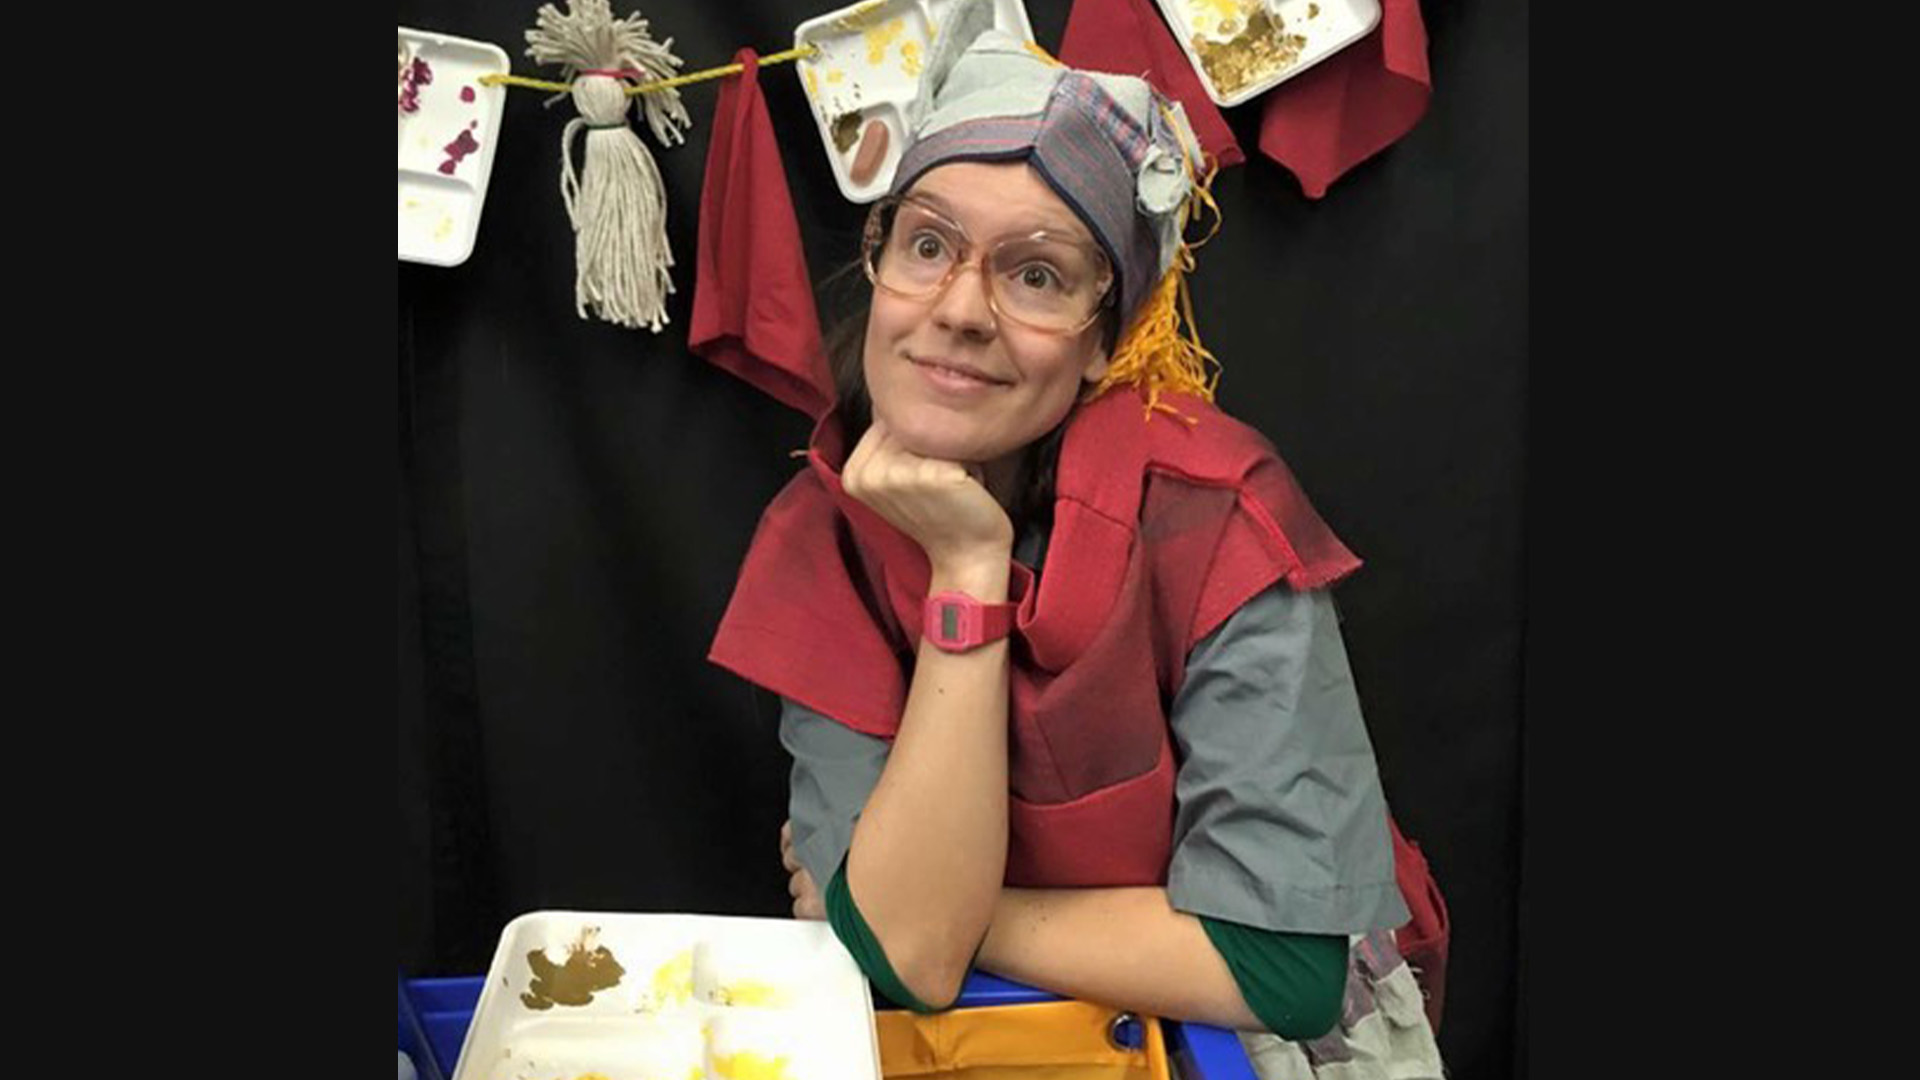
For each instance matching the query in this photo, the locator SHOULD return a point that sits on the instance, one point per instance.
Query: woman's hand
(942, 505)
(807, 901)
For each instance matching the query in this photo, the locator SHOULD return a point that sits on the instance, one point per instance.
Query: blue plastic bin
(443, 1009)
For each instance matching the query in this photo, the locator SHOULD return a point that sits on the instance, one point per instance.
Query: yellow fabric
(1055, 1040)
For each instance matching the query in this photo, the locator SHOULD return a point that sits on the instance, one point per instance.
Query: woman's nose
(964, 306)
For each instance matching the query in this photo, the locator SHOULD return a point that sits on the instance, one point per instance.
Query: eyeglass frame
(874, 235)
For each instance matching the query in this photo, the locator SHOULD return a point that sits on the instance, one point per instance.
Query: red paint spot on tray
(458, 149)
(466, 93)
(419, 75)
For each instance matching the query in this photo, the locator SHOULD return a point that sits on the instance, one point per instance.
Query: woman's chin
(942, 442)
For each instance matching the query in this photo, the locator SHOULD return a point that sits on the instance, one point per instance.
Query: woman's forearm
(1124, 947)
(929, 851)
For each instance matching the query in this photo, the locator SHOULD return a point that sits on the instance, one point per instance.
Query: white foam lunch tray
(633, 996)
(447, 142)
(1301, 33)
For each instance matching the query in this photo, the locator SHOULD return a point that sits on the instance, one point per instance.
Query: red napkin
(1353, 104)
(753, 307)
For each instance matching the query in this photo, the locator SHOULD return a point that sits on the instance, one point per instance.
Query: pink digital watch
(957, 622)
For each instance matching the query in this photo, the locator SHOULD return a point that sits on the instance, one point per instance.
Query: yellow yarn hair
(1153, 355)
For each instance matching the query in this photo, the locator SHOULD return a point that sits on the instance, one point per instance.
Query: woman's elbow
(933, 978)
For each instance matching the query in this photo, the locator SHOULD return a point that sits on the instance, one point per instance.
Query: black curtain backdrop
(575, 499)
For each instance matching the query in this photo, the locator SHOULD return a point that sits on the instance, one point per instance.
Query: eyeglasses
(1045, 281)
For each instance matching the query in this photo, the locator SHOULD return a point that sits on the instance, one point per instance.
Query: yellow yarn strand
(1043, 54)
(656, 84)
(1154, 356)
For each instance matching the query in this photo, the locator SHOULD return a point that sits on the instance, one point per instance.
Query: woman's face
(948, 378)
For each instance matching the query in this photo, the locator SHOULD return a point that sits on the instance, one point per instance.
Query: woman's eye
(929, 247)
(1038, 277)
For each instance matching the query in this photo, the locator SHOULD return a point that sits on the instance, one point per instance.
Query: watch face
(949, 622)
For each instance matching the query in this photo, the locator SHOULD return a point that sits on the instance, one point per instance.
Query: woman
(1063, 686)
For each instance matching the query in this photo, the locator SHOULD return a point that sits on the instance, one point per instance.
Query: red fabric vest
(1162, 529)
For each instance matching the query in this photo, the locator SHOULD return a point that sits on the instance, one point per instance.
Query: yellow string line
(658, 84)
(1198, 196)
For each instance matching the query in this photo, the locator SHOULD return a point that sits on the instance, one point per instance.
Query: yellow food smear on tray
(750, 992)
(674, 980)
(882, 36)
(747, 1065)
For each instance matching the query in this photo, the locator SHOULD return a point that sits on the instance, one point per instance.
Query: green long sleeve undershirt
(1294, 983)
